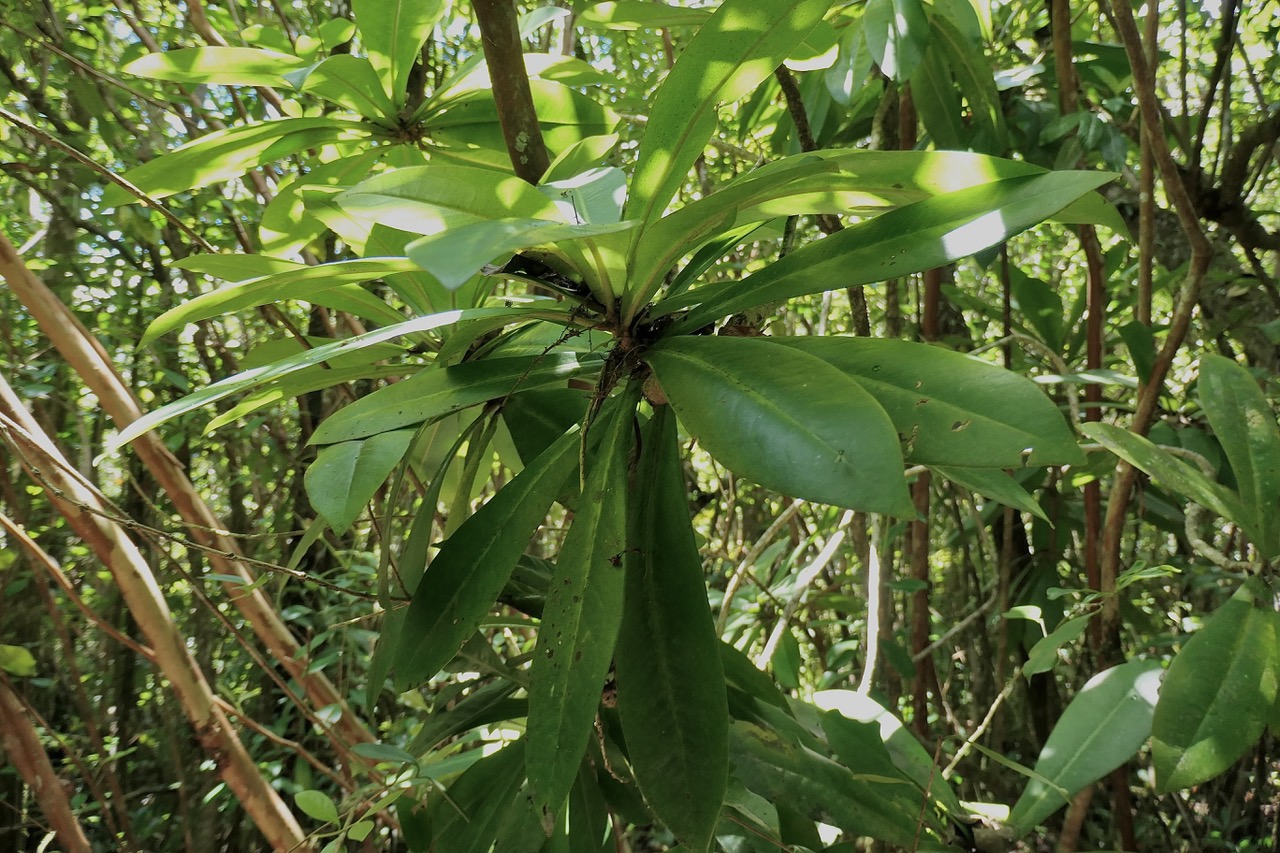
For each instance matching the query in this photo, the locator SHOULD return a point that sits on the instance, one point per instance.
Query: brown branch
(503, 53)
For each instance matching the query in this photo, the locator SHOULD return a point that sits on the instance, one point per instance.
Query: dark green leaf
(995, 484)
(345, 476)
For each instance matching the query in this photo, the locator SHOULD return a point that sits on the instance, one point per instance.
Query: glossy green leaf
(262, 375)
(781, 770)
(739, 46)
(926, 234)
(1103, 727)
(897, 33)
(1219, 692)
(1170, 472)
(227, 66)
(441, 391)
(1245, 424)
(993, 483)
(580, 617)
(393, 33)
(461, 584)
(343, 478)
(948, 408)
(351, 82)
(297, 283)
(429, 199)
(671, 686)
(228, 154)
(785, 419)
(455, 255)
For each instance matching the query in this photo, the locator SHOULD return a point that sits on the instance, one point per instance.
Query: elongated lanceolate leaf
(948, 408)
(344, 476)
(739, 46)
(227, 154)
(580, 617)
(922, 235)
(393, 33)
(461, 584)
(286, 366)
(1219, 692)
(785, 419)
(228, 66)
(897, 33)
(442, 391)
(1105, 724)
(993, 483)
(350, 82)
(1245, 424)
(671, 685)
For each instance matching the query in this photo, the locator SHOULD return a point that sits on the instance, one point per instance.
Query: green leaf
(1043, 656)
(1245, 424)
(300, 282)
(466, 576)
(937, 100)
(629, 15)
(18, 661)
(226, 66)
(1219, 692)
(897, 34)
(948, 408)
(393, 33)
(287, 366)
(455, 255)
(785, 419)
(738, 47)
(351, 82)
(1171, 473)
(317, 804)
(580, 617)
(345, 476)
(671, 685)
(995, 484)
(781, 770)
(974, 77)
(227, 154)
(926, 234)
(441, 391)
(1103, 727)
(477, 805)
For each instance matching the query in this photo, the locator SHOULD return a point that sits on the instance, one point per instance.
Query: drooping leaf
(393, 33)
(739, 46)
(926, 234)
(227, 154)
(948, 408)
(671, 686)
(227, 66)
(1219, 692)
(993, 483)
(937, 99)
(441, 391)
(478, 803)
(461, 584)
(345, 476)
(785, 419)
(1245, 424)
(897, 33)
(580, 617)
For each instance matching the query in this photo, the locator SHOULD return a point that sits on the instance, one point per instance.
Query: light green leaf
(442, 391)
(455, 255)
(926, 234)
(785, 419)
(393, 33)
(629, 15)
(351, 82)
(1105, 724)
(461, 584)
(300, 282)
(671, 685)
(897, 33)
(228, 154)
(305, 381)
(1245, 424)
(995, 484)
(286, 225)
(948, 408)
(1171, 473)
(17, 661)
(227, 66)
(1219, 692)
(1043, 656)
(580, 617)
(317, 804)
(738, 47)
(345, 476)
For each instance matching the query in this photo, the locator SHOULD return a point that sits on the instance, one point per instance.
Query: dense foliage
(772, 424)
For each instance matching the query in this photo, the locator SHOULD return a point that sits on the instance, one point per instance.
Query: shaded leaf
(344, 477)
(897, 33)
(995, 484)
